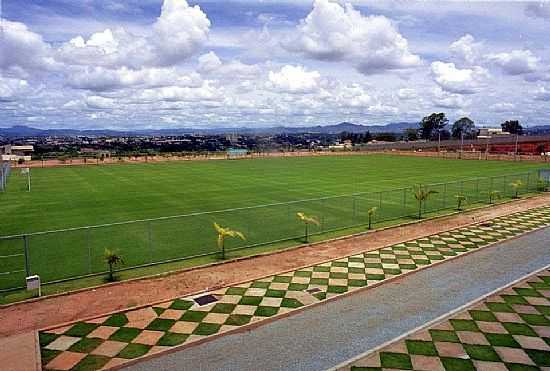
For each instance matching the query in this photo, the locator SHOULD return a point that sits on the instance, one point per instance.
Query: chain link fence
(79, 252)
(5, 169)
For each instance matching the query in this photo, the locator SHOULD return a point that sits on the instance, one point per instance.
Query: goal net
(5, 169)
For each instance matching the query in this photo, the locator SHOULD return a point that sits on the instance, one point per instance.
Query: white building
(15, 153)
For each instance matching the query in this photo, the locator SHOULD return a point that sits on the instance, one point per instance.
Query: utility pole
(516, 150)
(438, 139)
(461, 142)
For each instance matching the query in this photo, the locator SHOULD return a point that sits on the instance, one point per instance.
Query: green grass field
(67, 197)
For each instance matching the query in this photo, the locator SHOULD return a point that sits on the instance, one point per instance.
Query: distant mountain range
(25, 131)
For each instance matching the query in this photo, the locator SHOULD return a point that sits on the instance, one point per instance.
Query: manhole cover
(205, 299)
(486, 224)
(313, 290)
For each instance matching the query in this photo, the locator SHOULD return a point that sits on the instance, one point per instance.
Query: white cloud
(406, 93)
(101, 103)
(206, 92)
(209, 62)
(466, 49)
(455, 80)
(516, 62)
(502, 107)
(332, 32)
(179, 32)
(447, 100)
(538, 10)
(23, 51)
(12, 89)
(294, 79)
(542, 94)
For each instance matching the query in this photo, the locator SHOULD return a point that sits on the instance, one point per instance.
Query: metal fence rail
(5, 169)
(78, 252)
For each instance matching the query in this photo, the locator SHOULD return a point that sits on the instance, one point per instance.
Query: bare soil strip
(50, 311)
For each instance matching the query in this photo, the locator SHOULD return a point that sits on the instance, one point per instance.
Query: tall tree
(463, 126)
(432, 124)
(512, 126)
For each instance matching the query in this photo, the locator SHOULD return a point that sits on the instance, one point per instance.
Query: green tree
(307, 220)
(422, 194)
(460, 199)
(512, 126)
(493, 195)
(432, 124)
(113, 260)
(516, 186)
(410, 134)
(370, 214)
(463, 126)
(223, 233)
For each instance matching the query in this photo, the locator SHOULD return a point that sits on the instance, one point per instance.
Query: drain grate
(205, 299)
(313, 290)
(486, 224)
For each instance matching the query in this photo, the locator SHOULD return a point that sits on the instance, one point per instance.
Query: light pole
(438, 140)
(516, 150)
(461, 142)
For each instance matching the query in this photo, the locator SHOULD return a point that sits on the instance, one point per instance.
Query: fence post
(150, 238)
(89, 250)
(323, 215)
(354, 215)
(528, 181)
(444, 196)
(404, 202)
(27, 256)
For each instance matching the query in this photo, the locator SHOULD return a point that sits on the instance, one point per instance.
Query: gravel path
(324, 336)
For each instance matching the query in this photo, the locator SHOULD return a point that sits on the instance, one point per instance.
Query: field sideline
(89, 195)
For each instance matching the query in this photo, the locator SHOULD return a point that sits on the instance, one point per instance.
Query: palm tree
(516, 186)
(226, 232)
(112, 259)
(370, 214)
(493, 195)
(422, 194)
(307, 220)
(460, 198)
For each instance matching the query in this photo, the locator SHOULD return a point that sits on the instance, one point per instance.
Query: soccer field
(67, 197)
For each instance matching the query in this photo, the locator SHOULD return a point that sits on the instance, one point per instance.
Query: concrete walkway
(324, 336)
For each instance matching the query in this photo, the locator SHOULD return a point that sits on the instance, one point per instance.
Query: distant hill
(25, 131)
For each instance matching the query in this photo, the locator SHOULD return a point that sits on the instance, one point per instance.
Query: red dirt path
(49, 311)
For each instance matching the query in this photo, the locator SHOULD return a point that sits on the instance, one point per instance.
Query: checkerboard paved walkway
(115, 339)
(506, 331)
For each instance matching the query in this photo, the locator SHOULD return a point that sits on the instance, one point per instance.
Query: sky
(141, 64)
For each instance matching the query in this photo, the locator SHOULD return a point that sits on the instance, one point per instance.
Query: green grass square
(321, 269)
(421, 261)
(158, 310)
(544, 309)
(464, 325)
(319, 281)
(502, 340)
(521, 367)
(373, 265)
(340, 264)
(179, 304)
(399, 361)
(457, 364)
(358, 368)
(91, 362)
(524, 291)
(357, 283)
(445, 336)
(297, 287)
(535, 319)
(206, 329)
(237, 319)
(408, 266)
(46, 355)
(436, 257)
(337, 289)
(275, 293)
(353, 259)
(481, 352)
(125, 334)
(81, 329)
(420, 347)
(500, 307)
(116, 320)
(250, 300)
(519, 329)
(171, 339)
(514, 299)
(389, 261)
(302, 274)
(235, 291)
(193, 316)
(483, 315)
(134, 351)
(338, 275)
(260, 285)
(356, 270)
(392, 271)
(320, 295)
(263, 311)
(291, 303)
(540, 285)
(540, 357)
(282, 279)
(223, 308)
(375, 277)
(161, 324)
(45, 338)
(85, 345)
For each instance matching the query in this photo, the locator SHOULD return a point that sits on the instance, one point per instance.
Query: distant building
(491, 132)
(15, 153)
